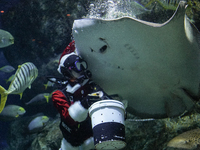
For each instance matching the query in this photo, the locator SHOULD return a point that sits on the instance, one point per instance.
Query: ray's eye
(103, 49)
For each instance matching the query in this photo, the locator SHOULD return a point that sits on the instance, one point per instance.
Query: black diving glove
(87, 101)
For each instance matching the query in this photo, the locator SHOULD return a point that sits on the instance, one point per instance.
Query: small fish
(10, 78)
(11, 112)
(187, 140)
(7, 69)
(6, 38)
(24, 77)
(37, 123)
(49, 84)
(39, 99)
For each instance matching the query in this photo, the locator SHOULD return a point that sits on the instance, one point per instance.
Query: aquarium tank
(144, 54)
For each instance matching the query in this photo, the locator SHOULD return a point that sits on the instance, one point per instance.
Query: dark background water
(4, 126)
(5, 5)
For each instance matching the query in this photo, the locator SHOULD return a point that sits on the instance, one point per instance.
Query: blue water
(5, 5)
(4, 126)
(3, 144)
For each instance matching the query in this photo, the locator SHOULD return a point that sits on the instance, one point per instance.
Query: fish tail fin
(45, 85)
(6, 81)
(149, 3)
(3, 98)
(47, 98)
(20, 94)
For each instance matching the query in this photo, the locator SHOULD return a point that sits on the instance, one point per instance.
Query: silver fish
(10, 78)
(11, 112)
(37, 123)
(7, 68)
(6, 39)
(24, 77)
(49, 84)
(39, 99)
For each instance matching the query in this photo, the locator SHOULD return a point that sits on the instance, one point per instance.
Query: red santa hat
(69, 50)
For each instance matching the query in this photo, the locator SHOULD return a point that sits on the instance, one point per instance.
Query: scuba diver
(72, 100)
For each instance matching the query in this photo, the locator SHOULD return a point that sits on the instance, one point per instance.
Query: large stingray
(156, 67)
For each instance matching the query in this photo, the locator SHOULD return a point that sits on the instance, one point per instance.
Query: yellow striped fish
(23, 78)
(166, 4)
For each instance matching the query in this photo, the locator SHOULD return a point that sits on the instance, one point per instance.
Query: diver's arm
(78, 112)
(63, 106)
(75, 111)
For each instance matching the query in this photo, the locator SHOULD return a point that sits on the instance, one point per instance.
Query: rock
(140, 133)
(49, 139)
(155, 134)
(18, 137)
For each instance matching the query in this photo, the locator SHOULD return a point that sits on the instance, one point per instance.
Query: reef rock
(141, 134)
(18, 138)
(47, 139)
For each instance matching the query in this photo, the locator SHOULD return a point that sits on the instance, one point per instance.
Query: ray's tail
(3, 98)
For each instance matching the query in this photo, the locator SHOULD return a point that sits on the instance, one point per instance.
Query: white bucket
(108, 124)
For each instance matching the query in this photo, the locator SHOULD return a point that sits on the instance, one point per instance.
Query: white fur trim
(67, 146)
(77, 112)
(62, 60)
(73, 89)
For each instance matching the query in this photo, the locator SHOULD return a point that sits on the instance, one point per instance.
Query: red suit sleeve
(62, 105)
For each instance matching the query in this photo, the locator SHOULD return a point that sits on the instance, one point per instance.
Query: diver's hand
(87, 101)
(102, 95)
(98, 94)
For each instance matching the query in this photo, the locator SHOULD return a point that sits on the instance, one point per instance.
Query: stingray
(156, 67)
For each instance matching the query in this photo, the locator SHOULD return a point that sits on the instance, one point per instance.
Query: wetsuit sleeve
(62, 105)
